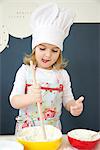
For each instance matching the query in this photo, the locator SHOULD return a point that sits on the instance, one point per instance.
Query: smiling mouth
(45, 61)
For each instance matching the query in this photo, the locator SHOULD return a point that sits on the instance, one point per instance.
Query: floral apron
(51, 106)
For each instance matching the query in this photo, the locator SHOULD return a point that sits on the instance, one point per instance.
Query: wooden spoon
(38, 104)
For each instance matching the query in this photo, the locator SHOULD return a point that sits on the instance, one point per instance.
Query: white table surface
(65, 144)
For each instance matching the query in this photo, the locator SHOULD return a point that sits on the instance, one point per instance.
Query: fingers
(80, 100)
(76, 110)
(79, 104)
(77, 107)
(76, 113)
(36, 94)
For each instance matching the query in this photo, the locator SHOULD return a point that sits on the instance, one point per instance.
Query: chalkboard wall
(82, 49)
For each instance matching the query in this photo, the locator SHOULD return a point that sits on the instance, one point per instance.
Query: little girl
(50, 26)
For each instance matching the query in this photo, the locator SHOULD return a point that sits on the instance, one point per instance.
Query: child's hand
(77, 107)
(34, 90)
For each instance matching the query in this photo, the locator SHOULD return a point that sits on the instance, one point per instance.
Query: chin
(46, 67)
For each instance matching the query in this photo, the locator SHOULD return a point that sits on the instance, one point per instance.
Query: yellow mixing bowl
(30, 137)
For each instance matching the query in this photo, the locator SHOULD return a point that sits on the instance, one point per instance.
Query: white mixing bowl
(10, 145)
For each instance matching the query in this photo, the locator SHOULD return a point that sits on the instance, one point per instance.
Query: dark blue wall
(82, 49)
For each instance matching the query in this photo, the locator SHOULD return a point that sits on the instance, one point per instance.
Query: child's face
(46, 55)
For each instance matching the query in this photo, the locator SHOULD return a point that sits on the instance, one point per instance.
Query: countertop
(65, 144)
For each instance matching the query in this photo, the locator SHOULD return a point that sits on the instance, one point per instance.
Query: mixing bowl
(10, 145)
(32, 138)
(82, 139)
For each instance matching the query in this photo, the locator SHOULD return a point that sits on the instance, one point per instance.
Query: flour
(35, 134)
(82, 134)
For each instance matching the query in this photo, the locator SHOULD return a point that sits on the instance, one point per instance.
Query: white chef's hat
(51, 25)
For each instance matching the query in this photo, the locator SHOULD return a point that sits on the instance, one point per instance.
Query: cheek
(37, 55)
(56, 57)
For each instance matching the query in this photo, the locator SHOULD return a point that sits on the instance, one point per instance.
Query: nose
(48, 53)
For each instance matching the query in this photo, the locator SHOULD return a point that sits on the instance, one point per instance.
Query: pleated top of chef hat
(51, 24)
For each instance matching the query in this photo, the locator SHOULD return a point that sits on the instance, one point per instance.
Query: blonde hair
(59, 64)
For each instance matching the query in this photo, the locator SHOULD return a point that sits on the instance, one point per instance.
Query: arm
(21, 101)
(24, 100)
(75, 107)
(18, 98)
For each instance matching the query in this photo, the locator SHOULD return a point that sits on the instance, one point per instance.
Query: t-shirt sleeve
(67, 94)
(19, 83)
